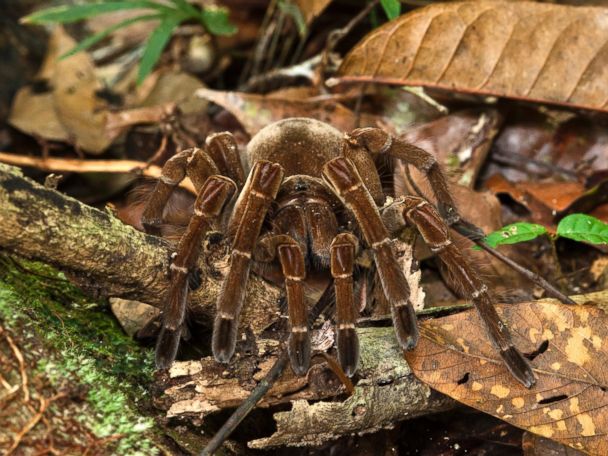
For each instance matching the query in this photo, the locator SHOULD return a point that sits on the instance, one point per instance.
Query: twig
(303, 69)
(337, 35)
(44, 403)
(264, 386)
(337, 369)
(243, 410)
(89, 166)
(22, 373)
(526, 164)
(537, 279)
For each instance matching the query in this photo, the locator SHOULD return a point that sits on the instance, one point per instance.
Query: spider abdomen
(300, 145)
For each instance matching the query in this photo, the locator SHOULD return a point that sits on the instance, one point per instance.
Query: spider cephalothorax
(325, 191)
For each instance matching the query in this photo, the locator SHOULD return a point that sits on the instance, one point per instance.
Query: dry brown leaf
(69, 110)
(312, 8)
(548, 202)
(538, 144)
(569, 347)
(526, 50)
(254, 112)
(33, 113)
(553, 196)
(460, 141)
(75, 87)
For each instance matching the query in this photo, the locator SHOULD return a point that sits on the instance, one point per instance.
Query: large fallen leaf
(569, 350)
(526, 50)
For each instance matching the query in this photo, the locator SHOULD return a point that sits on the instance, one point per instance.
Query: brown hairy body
(312, 199)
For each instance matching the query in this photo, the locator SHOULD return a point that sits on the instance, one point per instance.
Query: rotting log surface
(386, 392)
(105, 256)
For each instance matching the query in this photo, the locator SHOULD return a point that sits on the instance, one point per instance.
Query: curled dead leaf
(568, 350)
(526, 50)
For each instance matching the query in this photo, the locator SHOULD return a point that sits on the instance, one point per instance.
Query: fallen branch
(386, 392)
(106, 257)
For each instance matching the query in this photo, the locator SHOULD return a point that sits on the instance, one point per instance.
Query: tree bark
(386, 392)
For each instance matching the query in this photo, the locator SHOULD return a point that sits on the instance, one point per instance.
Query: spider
(311, 200)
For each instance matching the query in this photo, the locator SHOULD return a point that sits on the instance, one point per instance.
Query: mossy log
(106, 257)
(70, 379)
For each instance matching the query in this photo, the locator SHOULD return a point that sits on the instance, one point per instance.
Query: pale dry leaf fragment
(569, 354)
(69, 108)
(254, 112)
(75, 89)
(525, 50)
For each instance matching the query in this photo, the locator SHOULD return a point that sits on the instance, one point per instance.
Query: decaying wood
(105, 256)
(386, 392)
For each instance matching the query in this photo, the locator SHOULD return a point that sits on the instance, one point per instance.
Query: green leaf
(156, 43)
(392, 8)
(514, 233)
(582, 227)
(186, 8)
(215, 20)
(91, 40)
(73, 13)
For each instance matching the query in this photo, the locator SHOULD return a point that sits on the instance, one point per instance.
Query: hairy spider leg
(298, 344)
(209, 204)
(435, 232)
(378, 142)
(222, 148)
(259, 192)
(342, 253)
(291, 258)
(220, 157)
(342, 175)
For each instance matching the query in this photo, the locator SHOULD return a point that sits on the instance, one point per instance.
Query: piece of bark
(106, 257)
(386, 392)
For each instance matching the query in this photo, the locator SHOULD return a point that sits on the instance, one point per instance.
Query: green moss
(87, 347)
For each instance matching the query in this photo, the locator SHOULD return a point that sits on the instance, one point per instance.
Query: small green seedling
(579, 227)
(170, 14)
(392, 8)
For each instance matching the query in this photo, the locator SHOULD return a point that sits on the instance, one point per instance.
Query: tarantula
(311, 185)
